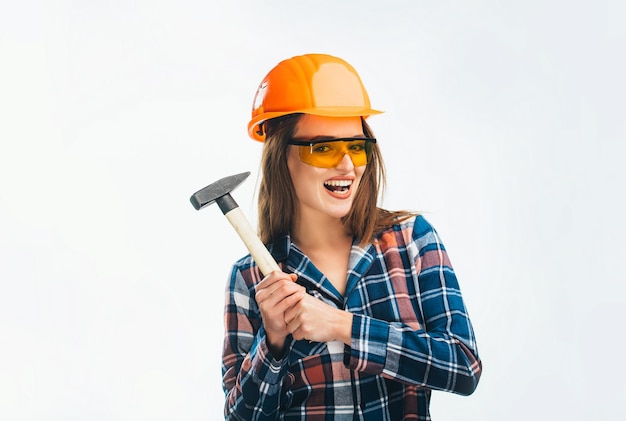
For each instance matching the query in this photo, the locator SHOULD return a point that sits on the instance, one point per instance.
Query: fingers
(275, 276)
(291, 314)
(295, 318)
(300, 328)
(276, 291)
(286, 308)
(279, 302)
(274, 295)
(314, 320)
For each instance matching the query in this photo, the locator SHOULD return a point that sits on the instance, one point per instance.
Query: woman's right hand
(275, 294)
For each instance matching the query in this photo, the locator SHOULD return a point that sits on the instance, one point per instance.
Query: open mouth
(338, 186)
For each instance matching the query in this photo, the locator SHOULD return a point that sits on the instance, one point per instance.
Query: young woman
(366, 316)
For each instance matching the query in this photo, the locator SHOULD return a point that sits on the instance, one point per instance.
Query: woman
(366, 316)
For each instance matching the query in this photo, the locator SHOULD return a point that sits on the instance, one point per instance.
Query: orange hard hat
(317, 84)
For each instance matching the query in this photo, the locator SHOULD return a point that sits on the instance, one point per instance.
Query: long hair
(277, 200)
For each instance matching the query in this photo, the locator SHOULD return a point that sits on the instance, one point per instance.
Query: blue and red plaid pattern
(410, 334)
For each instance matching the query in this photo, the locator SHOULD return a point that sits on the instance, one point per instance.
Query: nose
(346, 163)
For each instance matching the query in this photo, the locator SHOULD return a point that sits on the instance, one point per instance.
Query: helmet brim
(255, 132)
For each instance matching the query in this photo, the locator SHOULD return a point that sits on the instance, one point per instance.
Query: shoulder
(423, 229)
(413, 227)
(415, 234)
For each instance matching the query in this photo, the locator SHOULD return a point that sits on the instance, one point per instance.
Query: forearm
(393, 350)
(253, 387)
(252, 373)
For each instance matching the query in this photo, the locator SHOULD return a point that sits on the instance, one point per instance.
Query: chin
(338, 212)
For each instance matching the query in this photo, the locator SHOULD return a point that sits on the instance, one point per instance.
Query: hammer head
(215, 191)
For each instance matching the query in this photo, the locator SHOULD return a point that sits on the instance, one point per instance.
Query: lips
(339, 187)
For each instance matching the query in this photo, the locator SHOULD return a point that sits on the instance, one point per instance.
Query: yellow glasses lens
(329, 154)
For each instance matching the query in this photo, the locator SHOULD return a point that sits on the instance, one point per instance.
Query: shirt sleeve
(251, 377)
(441, 354)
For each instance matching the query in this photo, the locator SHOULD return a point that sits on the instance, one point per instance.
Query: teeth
(338, 183)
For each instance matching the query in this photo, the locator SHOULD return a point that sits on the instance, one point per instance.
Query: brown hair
(277, 199)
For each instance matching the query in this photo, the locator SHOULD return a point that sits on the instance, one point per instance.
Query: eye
(357, 147)
(321, 148)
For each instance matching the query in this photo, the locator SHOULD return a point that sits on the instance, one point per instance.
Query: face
(325, 192)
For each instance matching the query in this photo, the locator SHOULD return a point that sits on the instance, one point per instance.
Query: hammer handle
(257, 249)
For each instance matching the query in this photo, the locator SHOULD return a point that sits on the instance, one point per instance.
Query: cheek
(298, 171)
(293, 159)
(359, 171)
(294, 165)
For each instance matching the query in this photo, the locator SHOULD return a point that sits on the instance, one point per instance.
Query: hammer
(219, 192)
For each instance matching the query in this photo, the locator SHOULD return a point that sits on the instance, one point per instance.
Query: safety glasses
(329, 153)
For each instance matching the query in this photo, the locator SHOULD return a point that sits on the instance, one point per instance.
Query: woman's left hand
(316, 321)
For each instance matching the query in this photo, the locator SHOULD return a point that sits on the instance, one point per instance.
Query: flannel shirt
(410, 334)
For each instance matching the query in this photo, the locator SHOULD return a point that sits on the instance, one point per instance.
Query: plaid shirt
(410, 334)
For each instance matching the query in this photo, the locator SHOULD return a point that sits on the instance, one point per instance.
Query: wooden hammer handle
(257, 249)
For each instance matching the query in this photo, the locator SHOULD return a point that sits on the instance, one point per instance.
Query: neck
(321, 232)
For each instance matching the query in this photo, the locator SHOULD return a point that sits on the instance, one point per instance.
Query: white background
(504, 124)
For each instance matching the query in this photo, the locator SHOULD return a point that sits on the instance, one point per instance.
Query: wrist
(276, 345)
(344, 327)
